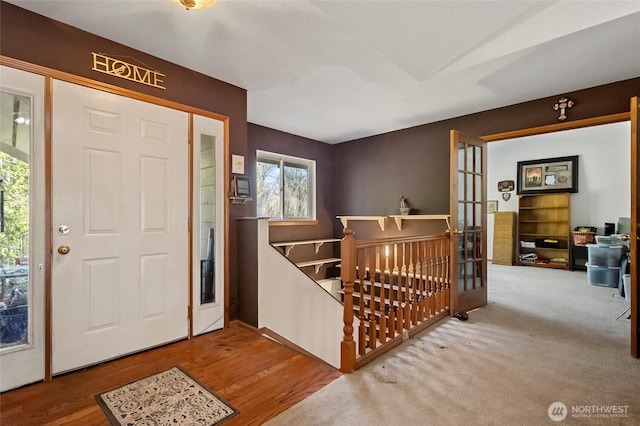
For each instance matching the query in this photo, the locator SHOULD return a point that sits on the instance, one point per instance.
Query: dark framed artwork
(548, 175)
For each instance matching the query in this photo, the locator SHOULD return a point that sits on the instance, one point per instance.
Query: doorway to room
(604, 182)
(603, 178)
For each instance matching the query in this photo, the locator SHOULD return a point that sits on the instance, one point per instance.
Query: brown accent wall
(38, 40)
(371, 173)
(248, 271)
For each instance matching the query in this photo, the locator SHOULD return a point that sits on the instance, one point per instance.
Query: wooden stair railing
(348, 276)
(395, 287)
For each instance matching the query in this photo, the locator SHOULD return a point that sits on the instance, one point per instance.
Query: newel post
(348, 276)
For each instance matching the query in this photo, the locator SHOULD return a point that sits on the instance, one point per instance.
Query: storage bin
(600, 255)
(608, 240)
(603, 275)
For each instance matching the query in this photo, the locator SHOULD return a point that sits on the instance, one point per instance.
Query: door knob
(64, 249)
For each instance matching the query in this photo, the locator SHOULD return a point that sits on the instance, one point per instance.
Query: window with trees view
(285, 187)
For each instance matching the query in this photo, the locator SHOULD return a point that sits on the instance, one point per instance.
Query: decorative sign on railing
(119, 68)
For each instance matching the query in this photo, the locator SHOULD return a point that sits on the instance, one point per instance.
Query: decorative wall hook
(563, 105)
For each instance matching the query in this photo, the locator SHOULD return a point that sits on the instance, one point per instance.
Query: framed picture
(548, 175)
(492, 206)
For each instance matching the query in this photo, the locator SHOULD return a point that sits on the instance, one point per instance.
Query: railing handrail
(372, 242)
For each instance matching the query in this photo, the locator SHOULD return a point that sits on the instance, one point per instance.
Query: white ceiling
(340, 70)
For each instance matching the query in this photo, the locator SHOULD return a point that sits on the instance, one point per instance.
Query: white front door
(120, 226)
(208, 224)
(22, 228)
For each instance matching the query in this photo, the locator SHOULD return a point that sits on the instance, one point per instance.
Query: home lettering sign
(119, 68)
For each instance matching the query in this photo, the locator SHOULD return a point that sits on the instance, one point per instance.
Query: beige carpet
(546, 336)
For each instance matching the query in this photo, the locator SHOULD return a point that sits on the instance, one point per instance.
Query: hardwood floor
(258, 376)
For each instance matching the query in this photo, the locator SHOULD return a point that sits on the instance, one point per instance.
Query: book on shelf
(528, 258)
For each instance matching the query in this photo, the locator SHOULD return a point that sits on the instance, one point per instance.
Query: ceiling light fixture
(196, 4)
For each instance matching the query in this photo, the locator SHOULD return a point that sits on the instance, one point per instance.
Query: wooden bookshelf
(543, 221)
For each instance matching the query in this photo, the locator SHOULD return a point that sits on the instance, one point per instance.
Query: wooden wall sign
(118, 68)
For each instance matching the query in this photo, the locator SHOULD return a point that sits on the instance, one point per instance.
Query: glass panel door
(22, 228)
(468, 213)
(15, 286)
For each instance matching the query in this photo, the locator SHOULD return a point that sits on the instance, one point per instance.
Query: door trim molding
(635, 231)
(558, 127)
(48, 237)
(190, 226)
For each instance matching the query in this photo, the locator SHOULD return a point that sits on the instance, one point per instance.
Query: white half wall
(604, 172)
(293, 305)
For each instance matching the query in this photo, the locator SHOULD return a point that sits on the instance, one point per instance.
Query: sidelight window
(15, 115)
